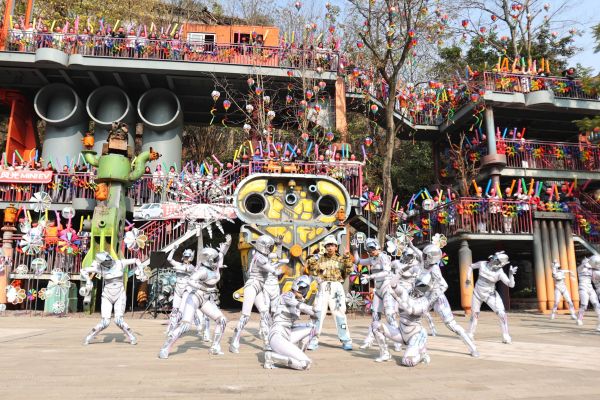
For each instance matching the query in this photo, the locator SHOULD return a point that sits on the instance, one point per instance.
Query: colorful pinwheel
(370, 201)
(42, 294)
(32, 294)
(32, 242)
(40, 202)
(135, 239)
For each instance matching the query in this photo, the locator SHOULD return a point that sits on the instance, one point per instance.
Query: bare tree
(467, 168)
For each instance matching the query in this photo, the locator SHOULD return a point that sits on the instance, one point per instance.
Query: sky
(583, 13)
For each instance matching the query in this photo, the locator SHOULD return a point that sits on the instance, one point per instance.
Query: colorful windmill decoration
(38, 266)
(15, 294)
(135, 239)
(370, 201)
(59, 284)
(32, 294)
(354, 300)
(40, 202)
(356, 273)
(405, 233)
(32, 242)
(68, 240)
(444, 260)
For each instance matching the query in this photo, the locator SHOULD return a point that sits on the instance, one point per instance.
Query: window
(202, 41)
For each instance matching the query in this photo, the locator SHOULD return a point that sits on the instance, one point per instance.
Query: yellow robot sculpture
(297, 210)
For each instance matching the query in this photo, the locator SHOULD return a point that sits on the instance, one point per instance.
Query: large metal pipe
(160, 111)
(62, 109)
(548, 264)
(465, 259)
(106, 105)
(564, 261)
(538, 264)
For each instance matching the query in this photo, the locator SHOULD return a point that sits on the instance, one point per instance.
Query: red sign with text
(25, 176)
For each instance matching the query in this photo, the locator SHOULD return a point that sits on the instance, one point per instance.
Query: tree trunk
(386, 173)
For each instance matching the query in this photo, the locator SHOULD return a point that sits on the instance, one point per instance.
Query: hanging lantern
(258, 90)
(298, 5)
(322, 84)
(319, 70)
(303, 103)
(494, 18)
(411, 33)
(288, 99)
(249, 108)
(329, 136)
(368, 141)
(290, 73)
(309, 94)
(482, 29)
(331, 29)
(267, 99)
(359, 44)
(317, 108)
(374, 108)
(250, 81)
(355, 72)
(271, 115)
(215, 95)
(316, 88)
(305, 136)
(226, 104)
(475, 97)
(465, 23)
(247, 128)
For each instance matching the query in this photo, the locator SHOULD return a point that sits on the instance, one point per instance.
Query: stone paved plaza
(43, 358)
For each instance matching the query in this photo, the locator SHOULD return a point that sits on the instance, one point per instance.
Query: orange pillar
(547, 250)
(6, 22)
(28, 12)
(465, 259)
(564, 261)
(538, 263)
(341, 125)
(20, 131)
(572, 262)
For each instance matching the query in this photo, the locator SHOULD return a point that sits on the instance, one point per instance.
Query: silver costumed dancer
(114, 297)
(254, 289)
(560, 289)
(285, 335)
(199, 294)
(413, 304)
(490, 272)
(587, 295)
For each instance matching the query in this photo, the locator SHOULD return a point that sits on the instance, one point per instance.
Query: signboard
(25, 176)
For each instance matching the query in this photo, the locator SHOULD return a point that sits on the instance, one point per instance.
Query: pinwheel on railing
(370, 201)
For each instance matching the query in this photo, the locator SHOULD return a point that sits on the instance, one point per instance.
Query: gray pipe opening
(106, 105)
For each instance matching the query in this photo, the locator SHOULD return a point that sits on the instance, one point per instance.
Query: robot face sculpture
(208, 257)
(432, 254)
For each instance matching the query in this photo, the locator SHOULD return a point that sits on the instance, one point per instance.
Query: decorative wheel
(135, 239)
(40, 202)
(201, 190)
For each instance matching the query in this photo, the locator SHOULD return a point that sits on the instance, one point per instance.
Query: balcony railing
(349, 173)
(175, 50)
(474, 215)
(549, 155)
(586, 224)
(521, 83)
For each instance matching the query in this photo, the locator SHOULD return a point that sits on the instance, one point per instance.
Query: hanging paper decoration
(271, 115)
(309, 94)
(250, 81)
(368, 141)
(298, 5)
(322, 84)
(249, 108)
(215, 95)
(247, 128)
(288, 99)
(374, 108)
(329, 136)
(266, 99)
(465, 23)
(226, 104)
(258, 90)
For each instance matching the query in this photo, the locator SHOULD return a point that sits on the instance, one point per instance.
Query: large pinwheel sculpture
(40, 202)
(135, 239)
(370, 201)
(354, 300)
(32, 242)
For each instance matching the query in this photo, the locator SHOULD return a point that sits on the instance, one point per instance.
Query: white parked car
(149, 211)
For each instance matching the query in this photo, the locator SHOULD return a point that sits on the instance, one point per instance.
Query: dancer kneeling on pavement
(113, 291)
(285, 335)
(413, 305)
(381, 273)
(331, 269)
(198, 294)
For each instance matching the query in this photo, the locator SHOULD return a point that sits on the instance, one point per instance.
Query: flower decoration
(559, 153)
(58, 307)
(42, 294)
(15, 294)
(32, 294)
(135, 239)
(510, 151)
(439, 240)
(22, 270)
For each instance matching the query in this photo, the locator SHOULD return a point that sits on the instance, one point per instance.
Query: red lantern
(465, 23)
(368, 141)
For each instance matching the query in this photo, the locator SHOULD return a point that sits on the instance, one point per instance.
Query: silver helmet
(594, 261)
(104, 258)
(188, 253)
(372, 244)
(432, 254)
(423, 284)
(208, 257)
(301, 285)
(264, 244)
(499, 260)
(408, 256)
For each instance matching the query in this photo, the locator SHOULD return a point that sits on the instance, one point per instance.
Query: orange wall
(225, 33)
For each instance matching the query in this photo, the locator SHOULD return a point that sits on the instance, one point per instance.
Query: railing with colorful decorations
(522, 83)
(473, 215)
(549, 155)
(589, 203)
(160, 234)
(586, 224)
(175, 50)
(52, 254)
(349, 173)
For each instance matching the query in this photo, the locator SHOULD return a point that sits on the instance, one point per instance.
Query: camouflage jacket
(334, 268)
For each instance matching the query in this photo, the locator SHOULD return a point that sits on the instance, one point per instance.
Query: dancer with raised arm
(560, 289)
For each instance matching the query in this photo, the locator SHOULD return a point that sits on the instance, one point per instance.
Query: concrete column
(562, 253)
(341, 124)
(465, 259)
(8, 251)
(490, 129)
(538, 264)
(572, 263)
(547, 252)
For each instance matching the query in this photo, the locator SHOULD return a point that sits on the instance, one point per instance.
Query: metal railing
(522, 83)
(175, 50)
(586, 224)
(160, 234)
(474, 215)
(348, 173)
(549, 155)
